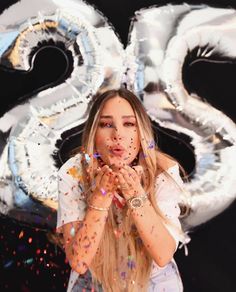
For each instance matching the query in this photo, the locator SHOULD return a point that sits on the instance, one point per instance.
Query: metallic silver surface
(28, 169)
(160, 39)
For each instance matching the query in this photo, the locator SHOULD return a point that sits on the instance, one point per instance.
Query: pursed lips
(117, 150)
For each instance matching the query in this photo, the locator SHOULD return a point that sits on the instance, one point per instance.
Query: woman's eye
(129, 124)
(105, 125)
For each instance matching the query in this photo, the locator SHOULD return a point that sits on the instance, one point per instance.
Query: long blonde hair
(109, 266)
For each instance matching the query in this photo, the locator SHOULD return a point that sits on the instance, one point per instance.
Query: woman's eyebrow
(110, 117)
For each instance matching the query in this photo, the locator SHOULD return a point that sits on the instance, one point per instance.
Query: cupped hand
(129, 181)
(105, 185)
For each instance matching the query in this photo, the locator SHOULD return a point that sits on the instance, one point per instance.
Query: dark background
(31, 262)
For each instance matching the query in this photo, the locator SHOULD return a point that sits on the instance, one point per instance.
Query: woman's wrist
(100, 201)
(129, 196)
(97, 208)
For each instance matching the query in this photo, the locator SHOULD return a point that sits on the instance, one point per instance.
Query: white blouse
(72, 205)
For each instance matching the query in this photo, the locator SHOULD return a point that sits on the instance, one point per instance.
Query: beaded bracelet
(97, 208)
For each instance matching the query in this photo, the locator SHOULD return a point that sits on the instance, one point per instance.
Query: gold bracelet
(97, 208)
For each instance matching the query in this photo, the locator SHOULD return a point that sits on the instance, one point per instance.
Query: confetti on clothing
(72, 207)
(75, 173)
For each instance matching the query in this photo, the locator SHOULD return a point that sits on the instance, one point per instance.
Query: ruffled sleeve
(71, 204)
(168, 196)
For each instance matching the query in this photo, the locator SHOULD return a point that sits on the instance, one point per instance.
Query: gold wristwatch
(137, 202)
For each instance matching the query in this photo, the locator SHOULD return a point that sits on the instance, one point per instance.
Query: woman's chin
(116, 161)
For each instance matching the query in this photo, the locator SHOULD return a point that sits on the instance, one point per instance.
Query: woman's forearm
(156, 238)
(83, 246)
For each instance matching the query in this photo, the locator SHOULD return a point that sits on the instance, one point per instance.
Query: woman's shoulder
(166, 163)
(169, 170)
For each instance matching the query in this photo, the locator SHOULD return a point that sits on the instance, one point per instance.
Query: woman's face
(117, 140)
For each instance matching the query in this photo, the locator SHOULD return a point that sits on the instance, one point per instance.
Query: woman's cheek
(101, 144)
(99, 138)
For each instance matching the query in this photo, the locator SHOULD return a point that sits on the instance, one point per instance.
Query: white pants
(167, 280)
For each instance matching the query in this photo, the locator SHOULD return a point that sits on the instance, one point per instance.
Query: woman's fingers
(105, 180)
(139, 170)
(129, 174)
(129, 181)
(121, 180)
(100, 173)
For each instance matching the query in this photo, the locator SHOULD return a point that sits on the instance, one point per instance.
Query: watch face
(136, 202)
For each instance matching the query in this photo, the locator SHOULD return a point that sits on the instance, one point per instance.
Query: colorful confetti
(87, 157)
(123, 275)
(142, 155)
(151, 144)
(72, 231)
(131, 263)
(103, 192)
(8, 264)
(117, 233)
(74, 172)
(96, 155)
(29, 261)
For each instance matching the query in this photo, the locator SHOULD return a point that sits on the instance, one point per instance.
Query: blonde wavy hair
(109, 266)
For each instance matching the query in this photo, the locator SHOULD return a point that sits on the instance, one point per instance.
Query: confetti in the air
(87, 157)
(72, 231)
(96, 155)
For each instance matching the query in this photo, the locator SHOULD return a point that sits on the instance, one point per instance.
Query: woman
(118, 203)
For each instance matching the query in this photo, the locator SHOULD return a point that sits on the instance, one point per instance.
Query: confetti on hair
(142, 155)
(87, 158)
(131, 263)
(139, 241)
(151, 144)
(123, 275)
(117, 233)
(93, 184)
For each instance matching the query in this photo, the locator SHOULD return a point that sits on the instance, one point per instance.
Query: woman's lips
(117, 152)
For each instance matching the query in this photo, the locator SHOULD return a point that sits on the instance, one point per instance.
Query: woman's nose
(117, 134)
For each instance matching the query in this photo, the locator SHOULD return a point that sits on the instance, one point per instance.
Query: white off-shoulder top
(72, 205)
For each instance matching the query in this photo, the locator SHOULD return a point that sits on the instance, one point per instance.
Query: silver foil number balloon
(27, 166)
(160, 38)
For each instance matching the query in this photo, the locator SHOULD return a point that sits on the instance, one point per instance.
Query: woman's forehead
(117, 105)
